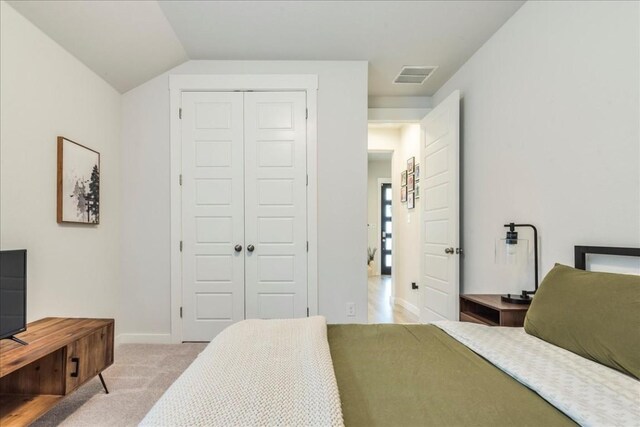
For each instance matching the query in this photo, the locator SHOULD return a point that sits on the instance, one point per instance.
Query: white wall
(551, 134)
(401, 102)
(406, 225)
(377, 169)
(342, 205)
(72, 270)
(406, 109)
(383, 139)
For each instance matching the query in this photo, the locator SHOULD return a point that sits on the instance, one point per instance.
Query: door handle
(250, 248)
(76, 360)
(238, 248)
(448, 251)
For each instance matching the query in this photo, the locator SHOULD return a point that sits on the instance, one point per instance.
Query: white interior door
(212, 213)
(275, 204)
(439, 240)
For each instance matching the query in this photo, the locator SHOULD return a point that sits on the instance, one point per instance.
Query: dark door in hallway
(385, 229)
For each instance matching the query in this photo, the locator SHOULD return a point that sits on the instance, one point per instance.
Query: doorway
(425, 177)
(385, 215)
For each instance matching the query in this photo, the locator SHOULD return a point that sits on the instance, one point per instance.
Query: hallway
(380, 310)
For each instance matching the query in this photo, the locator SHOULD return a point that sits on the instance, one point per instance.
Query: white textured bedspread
(589, 393)
(257, 373)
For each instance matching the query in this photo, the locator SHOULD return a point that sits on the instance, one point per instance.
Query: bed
(304, 372)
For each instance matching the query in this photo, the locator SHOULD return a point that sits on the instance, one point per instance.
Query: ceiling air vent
(414, 74)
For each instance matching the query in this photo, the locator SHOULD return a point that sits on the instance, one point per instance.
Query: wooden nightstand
(490, 310)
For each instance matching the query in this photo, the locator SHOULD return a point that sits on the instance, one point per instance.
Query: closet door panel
(275, 204)
(212, 213)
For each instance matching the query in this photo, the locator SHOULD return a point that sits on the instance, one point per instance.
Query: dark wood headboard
(580, 258)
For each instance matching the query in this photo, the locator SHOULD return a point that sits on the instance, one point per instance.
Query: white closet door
(275, 204)
(212, 213)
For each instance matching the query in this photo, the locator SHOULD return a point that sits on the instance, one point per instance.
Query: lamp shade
(511, 251)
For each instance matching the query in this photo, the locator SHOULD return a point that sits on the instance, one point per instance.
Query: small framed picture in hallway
(403, 178)
(411, 164)
(411, 200)
(403, 194)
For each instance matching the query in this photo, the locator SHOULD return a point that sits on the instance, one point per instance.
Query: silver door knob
(448, 251)
(238, 248)
(250, 248)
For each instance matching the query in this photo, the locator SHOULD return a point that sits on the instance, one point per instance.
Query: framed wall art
(411, 182)
(403, 194)
(417, 190)
(417, 172)
(411, 200)
(78, 183)
(410, 165)
(403, 178)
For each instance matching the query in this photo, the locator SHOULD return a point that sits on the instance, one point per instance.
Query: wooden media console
(62, 354)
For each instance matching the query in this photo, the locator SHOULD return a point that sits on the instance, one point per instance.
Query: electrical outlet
(351, 309)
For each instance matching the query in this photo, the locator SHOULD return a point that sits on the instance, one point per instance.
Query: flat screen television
(13, 293)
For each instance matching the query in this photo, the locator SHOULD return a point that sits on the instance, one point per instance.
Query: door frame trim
(229, 83)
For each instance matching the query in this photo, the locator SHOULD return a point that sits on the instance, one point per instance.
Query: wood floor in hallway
(380, 309)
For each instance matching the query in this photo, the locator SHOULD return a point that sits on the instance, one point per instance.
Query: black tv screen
(13, 292)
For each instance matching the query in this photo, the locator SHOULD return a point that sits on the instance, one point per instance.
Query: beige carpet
(136, 380)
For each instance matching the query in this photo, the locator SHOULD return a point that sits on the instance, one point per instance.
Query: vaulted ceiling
(130, 42)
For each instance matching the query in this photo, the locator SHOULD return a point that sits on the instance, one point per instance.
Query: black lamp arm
(511, 227)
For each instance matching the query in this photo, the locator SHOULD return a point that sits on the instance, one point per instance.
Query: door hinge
(307, 311)
(181, 312)
(306, 113)
(307, 246)
(180, 245)
(307, 180)
(180, 113)
(180, 179)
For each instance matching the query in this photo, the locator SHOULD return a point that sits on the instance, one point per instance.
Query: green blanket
(417, 375)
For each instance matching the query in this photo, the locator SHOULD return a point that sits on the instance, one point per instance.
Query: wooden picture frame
(411, 182)
(78, 183)
(411, 200)
(417, 190)
(403, 178)
(416, 172)
(411, 165)
(403, 194)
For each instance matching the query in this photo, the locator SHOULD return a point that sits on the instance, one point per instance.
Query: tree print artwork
(78, 183)
(94, 194)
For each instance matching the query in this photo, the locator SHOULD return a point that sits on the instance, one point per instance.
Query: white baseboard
(407, 305)
(143, 339)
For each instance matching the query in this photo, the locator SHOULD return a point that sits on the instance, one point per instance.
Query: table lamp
(512, 250)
